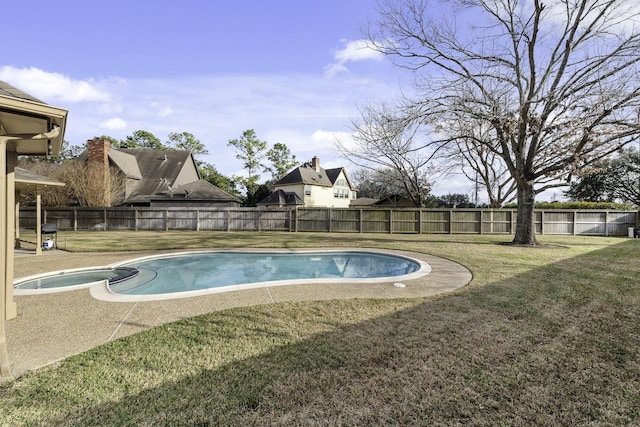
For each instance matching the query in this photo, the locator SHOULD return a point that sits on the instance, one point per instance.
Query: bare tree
(469, 154)
(54, 196)
(557, 84)
(626, 174)
(383, 183)
(386, 142)
(83, 185)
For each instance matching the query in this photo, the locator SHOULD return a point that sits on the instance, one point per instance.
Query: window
(307, 190)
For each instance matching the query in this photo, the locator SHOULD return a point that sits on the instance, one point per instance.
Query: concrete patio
(51, 327)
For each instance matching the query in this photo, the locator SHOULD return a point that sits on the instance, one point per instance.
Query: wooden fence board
(426, 221)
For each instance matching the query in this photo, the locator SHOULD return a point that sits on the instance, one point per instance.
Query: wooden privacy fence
(333, 220)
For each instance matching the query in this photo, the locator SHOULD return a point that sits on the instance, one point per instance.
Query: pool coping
(54, 326)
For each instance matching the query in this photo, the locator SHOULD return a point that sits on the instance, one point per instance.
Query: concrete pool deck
(54, 326)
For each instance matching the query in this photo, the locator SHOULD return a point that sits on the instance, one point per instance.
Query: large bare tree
(467, 152)
(387, 142)
(556, 81)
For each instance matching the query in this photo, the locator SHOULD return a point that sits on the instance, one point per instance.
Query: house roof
(26, 179)
(200, 190)
(364, 201)
(158, 169)
(154, 170)
(30, 126)
(334, 173)
(282, 198)
(154, 165)
(7, 90)
(126, 162)
(306, 174)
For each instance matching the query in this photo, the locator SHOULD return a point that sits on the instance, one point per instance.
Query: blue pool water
(188, 273)
(217, 269)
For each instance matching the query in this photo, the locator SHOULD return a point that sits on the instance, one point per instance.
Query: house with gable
(310, 185)
(156, 178)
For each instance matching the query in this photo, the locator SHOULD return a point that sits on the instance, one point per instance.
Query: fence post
(75, 219)
(197, 219)
(575, 219)
(166, 220)
(606, 223)
(450, 221)
(512, 230)
(293, 219)
(481, 221)
(390, 221)
(258, 215)
(360, 221)
(135, 219)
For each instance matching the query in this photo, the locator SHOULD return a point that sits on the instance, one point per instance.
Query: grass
(543, 336)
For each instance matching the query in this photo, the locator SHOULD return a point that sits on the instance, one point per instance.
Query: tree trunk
(525, 228)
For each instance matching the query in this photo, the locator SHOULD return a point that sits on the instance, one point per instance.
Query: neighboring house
(310, 185)
(363, 202)
(387, 202)
(157, 178)
(395, 202)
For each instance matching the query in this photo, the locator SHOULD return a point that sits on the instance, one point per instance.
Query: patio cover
(28, 181)
(28, 126)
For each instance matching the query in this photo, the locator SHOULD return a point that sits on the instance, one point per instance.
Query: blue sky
(294, 71)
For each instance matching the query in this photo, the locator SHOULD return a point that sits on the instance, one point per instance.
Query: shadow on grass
(558, 345)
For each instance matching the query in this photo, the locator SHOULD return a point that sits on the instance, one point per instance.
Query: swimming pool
(196, 273)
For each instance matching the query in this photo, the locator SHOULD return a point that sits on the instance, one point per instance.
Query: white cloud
(357, 50)
(307, 112)
(352, 51)
(115, 123)
(52, 86)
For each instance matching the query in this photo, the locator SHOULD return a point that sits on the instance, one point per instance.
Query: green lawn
(542, 336)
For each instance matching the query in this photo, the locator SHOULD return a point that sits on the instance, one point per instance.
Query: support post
(17, 222)
(7, 305)
(38, 222)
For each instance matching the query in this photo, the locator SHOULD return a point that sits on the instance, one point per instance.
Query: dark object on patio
(52, 231)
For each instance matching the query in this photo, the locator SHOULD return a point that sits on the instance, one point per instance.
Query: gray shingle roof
(12, 92)
(201, 190)
(27, 177)
(282, 198)
(159, 170)
(127, 163)
(306, 174)
(155, 173)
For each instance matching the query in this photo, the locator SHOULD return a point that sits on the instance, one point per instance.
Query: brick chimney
(315, 163)
(98, 168)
